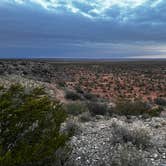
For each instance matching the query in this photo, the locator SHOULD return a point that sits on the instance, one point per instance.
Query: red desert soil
(110, 80)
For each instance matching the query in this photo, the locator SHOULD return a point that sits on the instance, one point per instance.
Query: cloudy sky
(83, 28)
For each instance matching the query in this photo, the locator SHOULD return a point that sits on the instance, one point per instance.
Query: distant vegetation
(97, 108)
(71, 95)
(113, 100)
(76, 109)
(135, 108)
(161, 101)
(30, 128)
(108, 80)
(122, 108)
(80, 95)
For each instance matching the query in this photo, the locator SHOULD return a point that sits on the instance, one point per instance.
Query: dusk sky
(83, 28)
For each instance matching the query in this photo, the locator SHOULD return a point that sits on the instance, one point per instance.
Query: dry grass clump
(128, 155)
(128, 145)
(139, 137)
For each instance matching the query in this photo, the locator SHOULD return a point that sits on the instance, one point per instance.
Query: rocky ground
(98, 144)
(110, 80)
(110, 141)
(106, 141)
(51, 89)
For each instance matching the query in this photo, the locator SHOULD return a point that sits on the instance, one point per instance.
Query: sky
(83, 29)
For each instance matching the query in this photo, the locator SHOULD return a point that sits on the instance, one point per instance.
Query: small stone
(155, 155)
(78, 158)
(99, 117)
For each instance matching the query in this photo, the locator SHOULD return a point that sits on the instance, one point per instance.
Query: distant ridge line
(87, 59)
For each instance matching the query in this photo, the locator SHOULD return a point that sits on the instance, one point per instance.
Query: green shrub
(75, 108)
(29, 128)
(1, 87)
(73, 95)
(155, 111)
(97, 108)
(38, 91)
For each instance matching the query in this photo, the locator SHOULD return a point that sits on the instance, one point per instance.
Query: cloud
(97, 9)
(87, 50)
(98, 27)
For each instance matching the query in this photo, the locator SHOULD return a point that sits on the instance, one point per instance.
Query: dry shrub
(139, 137)
(128, 155)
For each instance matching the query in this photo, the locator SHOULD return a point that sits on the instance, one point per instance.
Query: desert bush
(29, 128)
(73, 95)
(75, 108)
(23, 63)
(160, 101)
(38, 91)
(79, 90)
(120, 134)
(61, 84)
(1, 87)
(155, 111)
(128, 155)
(70, 127)
(131, 108)
(97, 108)
(90, 96)
(139, 137)
(85, 117)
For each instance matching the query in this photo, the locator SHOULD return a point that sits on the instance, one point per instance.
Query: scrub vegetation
(82, 113)
(30, 128)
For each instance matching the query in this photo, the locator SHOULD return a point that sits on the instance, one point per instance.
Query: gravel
(93, 146)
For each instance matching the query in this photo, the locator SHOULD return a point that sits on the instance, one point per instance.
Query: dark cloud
(33, 31)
